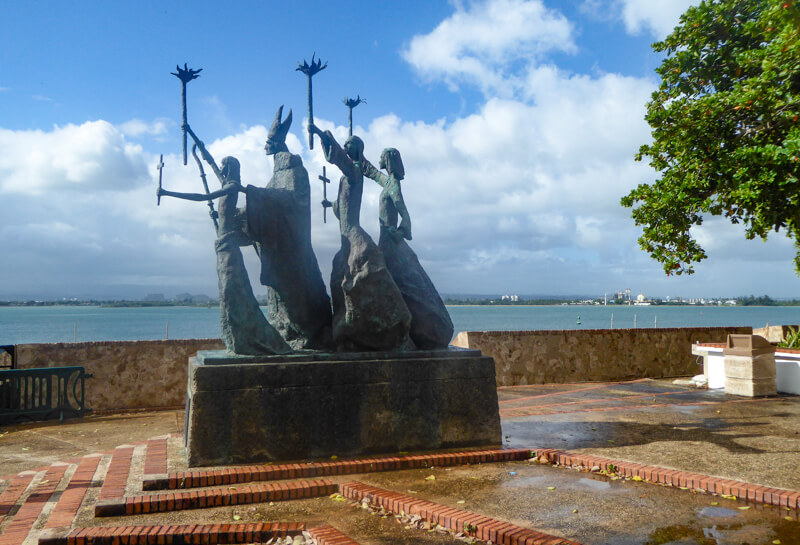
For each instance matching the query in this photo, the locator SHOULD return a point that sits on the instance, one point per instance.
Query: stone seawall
(539, 357)
(125, 374)
(129, 375)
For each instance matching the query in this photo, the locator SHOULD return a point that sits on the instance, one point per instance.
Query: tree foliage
(726, 136)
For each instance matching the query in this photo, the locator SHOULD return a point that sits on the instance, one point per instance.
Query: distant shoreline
(763, 301)
(110, 304)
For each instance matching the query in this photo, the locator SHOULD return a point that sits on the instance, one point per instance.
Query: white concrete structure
(787, 367)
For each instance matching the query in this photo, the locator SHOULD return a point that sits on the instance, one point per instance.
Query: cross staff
(160, 168)
(325, 202)
(309, 70)
(186, 75)
(352, 103)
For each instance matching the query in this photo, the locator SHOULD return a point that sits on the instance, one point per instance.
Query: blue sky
(517, 120)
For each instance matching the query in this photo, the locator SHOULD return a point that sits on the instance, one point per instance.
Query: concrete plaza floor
(647, 422)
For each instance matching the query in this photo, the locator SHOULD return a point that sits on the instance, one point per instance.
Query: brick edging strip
(214, 497)
(208, 534)
(117, 474)
(485, 528)
(235, 475)
(155, 459)
(660, 475)
(71, 499)
(328, 535)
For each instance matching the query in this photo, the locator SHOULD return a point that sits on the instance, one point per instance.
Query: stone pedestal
(749, 366)
(247, 409)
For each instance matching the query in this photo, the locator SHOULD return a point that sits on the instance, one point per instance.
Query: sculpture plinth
(249, 409)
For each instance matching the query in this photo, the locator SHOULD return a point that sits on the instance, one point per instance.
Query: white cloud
(137, 127)
(534, 181)
(519, 196)
(481, 43)
(93, 156)
(659, 17)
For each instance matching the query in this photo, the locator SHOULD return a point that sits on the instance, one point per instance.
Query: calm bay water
(65, 324)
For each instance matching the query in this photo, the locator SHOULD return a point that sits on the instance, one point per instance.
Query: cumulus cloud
(481, 42)
(657, 18)
(520, 195)
(93, 156)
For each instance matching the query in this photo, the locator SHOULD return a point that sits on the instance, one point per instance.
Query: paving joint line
(510, 413)
(598, 400)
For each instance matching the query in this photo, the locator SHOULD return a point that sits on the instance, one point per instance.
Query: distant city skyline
(517, 121)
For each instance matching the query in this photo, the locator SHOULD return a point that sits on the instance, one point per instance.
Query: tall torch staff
(186, 75)
(352, 103)
(309, 70)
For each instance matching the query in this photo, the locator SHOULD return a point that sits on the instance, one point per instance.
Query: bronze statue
(368, 309)
(279, 221)
(245, 330)
(431, 326)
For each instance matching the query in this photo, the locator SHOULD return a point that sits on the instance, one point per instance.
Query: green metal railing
(42, 394)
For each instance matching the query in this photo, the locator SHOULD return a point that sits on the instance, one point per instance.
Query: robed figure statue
(279, 221)
(368, 309)
(245, 330)
(431, 326)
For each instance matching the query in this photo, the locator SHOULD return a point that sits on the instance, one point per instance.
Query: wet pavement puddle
(594, 509)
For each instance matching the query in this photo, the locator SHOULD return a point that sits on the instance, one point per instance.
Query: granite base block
(314, 405)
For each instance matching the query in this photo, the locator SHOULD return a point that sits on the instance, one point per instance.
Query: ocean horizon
(51, 324)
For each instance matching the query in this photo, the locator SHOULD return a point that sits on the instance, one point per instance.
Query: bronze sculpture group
(381, 298)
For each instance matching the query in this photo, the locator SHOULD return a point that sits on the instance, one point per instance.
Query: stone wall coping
(86, 344)
(595, 331)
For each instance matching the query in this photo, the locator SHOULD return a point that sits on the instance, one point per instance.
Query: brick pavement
(43, 505)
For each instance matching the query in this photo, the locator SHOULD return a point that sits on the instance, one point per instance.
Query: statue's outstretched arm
(204, 152)
(333, 151)
(199, 196)
(369, 170)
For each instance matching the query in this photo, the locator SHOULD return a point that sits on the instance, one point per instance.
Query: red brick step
(328, 535)
(243, 474)
(214, 497)
(187, 534)
(458, 520)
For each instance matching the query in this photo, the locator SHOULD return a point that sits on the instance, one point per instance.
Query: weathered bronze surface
(279, 221)
(431, 326)
(245, 330)
(368, 309)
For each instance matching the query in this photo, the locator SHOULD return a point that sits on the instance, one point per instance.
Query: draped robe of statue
(368, 309)
(244, 329)
(431, 326)
(279, 221)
